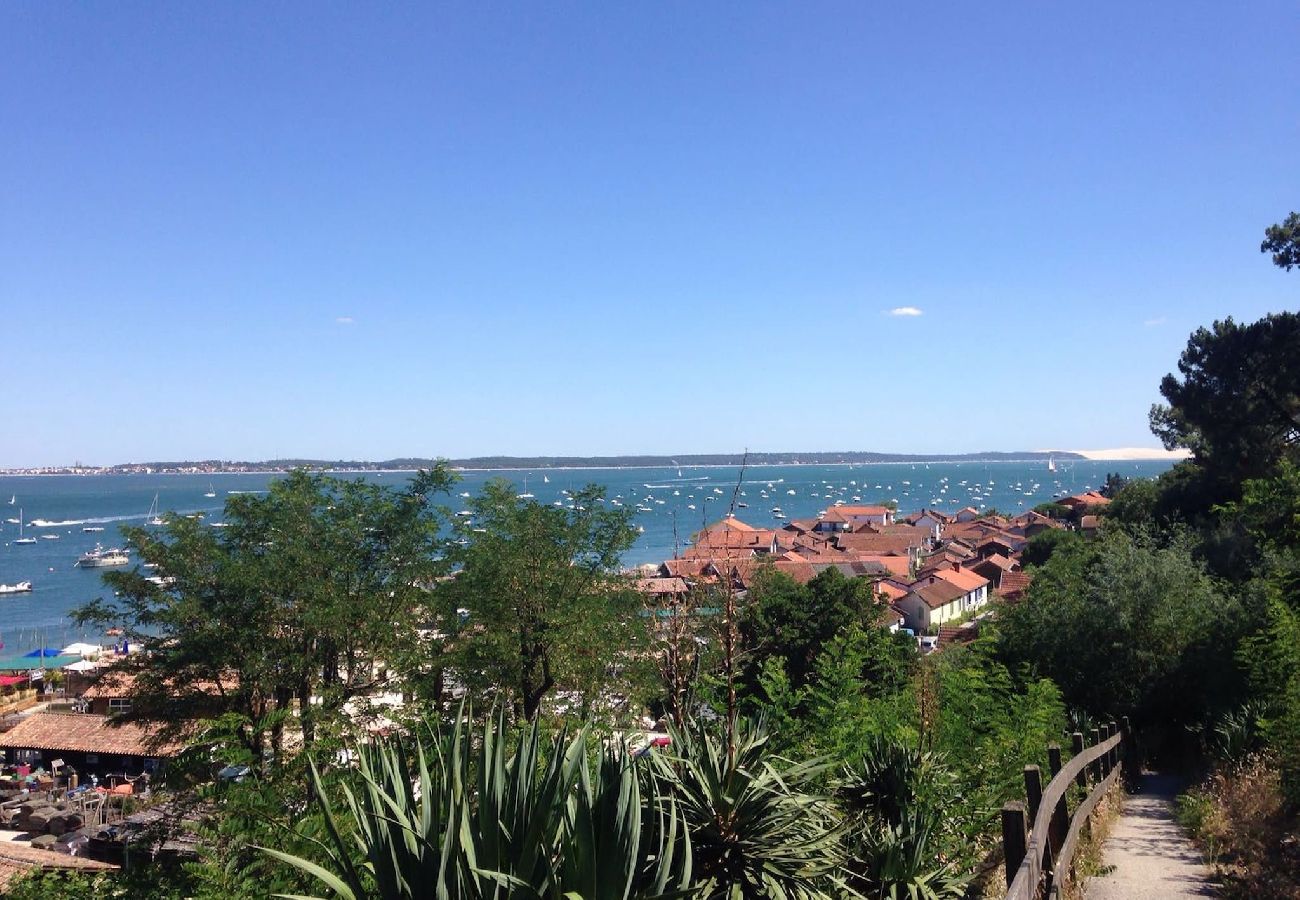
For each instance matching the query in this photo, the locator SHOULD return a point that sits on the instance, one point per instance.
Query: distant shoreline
(216, 468)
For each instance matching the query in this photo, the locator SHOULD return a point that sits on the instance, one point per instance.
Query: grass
(1237, 819)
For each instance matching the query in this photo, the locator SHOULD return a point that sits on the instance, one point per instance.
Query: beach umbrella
(42, 653)
(80, 649)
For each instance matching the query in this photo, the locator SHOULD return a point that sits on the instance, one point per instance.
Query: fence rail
(1040, 857)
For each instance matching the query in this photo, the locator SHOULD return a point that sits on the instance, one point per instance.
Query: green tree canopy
(793, 621)
(1236, 400)
(537, 600)
(309, 598)
(1127, 628)
(1283, 241)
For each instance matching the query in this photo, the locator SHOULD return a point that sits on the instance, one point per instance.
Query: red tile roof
(1014, 584)
(798, 569)
(1087, 498)
(685, 568)
(673, 585)
(937, 594)
(963, 578)
(83, 733)
(877, 543)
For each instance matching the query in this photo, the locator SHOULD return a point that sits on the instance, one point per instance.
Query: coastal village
(76, 776)
(934, 572)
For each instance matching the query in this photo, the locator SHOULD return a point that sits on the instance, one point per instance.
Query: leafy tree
(861, 689)
(1236, 402)
(1128, 628)
(309, 599)
(1283, 241)
(1115, 482)
(538, 596)
(794, 621)
(1042, 545)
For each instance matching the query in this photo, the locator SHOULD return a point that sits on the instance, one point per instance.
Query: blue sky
(370, 230)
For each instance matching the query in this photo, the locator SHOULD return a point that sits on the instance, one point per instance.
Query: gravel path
(1150, 854)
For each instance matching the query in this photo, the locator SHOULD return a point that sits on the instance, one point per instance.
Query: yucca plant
(889, 779)
(896, 861)
(756, 829)
(449, 817)
(892, 824)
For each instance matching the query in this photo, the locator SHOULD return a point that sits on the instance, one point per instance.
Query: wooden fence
(1040, 836)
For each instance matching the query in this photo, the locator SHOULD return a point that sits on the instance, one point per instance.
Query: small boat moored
(99, 558)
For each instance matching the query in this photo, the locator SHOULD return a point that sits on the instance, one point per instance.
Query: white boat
(22, 587)
(99, 558)
(211, 491)
(49, 537)
(525, 495)
(153, 516)
(21, 539)
(13, 521)
(1051, 464)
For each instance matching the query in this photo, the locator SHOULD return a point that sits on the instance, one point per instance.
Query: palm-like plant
(451, 817)
(896, 861)
(892, 825)
(755, 830)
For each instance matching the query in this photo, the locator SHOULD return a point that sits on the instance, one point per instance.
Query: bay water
(670, 504)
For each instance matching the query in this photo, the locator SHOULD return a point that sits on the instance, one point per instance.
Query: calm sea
(670, 504)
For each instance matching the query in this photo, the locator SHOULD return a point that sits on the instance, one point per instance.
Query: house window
(119, 705)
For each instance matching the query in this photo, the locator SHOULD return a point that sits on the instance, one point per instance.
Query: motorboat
(99, 558)
(22, 587)
(93, 529)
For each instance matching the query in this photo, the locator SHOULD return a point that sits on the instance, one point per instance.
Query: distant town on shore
(823, 458)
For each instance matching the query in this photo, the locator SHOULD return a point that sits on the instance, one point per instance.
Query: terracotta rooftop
(730, 523)
(962, 578)
(1087, 498)
(1014, 584)
(878, 543)
(83, 733)
(798, 569)
(937, 594)
(890, 590)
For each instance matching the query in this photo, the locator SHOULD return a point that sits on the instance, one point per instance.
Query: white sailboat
(211, 491)
(1051, 464)
(153, 516)
(21, 539)
(525, 495)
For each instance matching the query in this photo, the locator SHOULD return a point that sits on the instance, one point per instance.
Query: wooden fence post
(1104, 735)
(1094, 768)
(1033, 791)
(1076, 747)
(1061, 814)
(1013, 837)
(1114, 753)
(1128, 758)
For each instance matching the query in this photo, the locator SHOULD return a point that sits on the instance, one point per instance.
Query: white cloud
(345, 320)
(905, 311)
(1156, 321)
